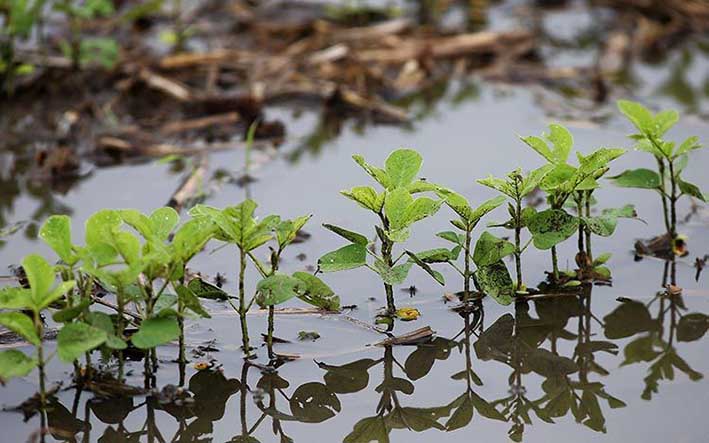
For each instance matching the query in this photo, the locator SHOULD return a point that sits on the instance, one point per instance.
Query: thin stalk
(119, 331)
(40, 360)
(242, 303)
(387, 246)
(663, 194)
(466, 272)
(589, 254)
(275, 259)
(518, 242)
(579, 210)
(555, 264)
(673, 202)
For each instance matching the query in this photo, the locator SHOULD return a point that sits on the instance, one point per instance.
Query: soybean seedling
(25, 307)
(552, 226)
(397, 210)
(671, 161)
(516, 186)
(491, 276)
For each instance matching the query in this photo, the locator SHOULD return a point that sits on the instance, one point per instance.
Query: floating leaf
(408, 314)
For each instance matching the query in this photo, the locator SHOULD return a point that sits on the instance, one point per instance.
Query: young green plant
(670, 158)
(491, 276)
(23, 316)
(554, 225)
(517, 187)
(397, 210)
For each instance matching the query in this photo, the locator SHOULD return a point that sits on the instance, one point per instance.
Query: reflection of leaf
(547, 364)
(692, 326)
(462, 415)
(496, 341)
(396, 384)
(211, 391)
(367, 430)
(113, 410)
(420, 362)
(640, 349)
(628, 319)
(348, 378)
(314, 403)
(63, 425)
(415, 419)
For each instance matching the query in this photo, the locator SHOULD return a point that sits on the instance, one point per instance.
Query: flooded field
(620, 361)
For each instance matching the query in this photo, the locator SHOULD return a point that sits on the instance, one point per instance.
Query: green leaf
(287, 230)
(602, 259)
(551, 227)
(396, 204)
(540, 146)
(352, 236)
(605, 224)
(377, 174)
(640, 116)
(15, 298)
(317, 293)
(402, 166)
(490, 249)
(20, 324)
(348, 257)
(164, 221)
(14, 363)
(691, 189)
(203, 289)
(484, 208)
(557, 177)
(534, 179)
(56, 232)
(191, 237)
(392, 275)
(366, 197)
(438, 255)
(637, 178)
(70, 313)
(40, 276)
(190, 301)
(597, 160)
(498, 184)
(278, 288)
(421, 208)
(452, 237)
(495, 281)
(690, 144)
(155, 332)
(562, 140)
(433, 273)
(100, 226)
(75, 339)
(663, 121)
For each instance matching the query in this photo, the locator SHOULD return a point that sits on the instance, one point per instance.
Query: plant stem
(271, 327)
(673, 203)
(518, 241)
(242, 304)
(40, 359)
(579, 210)
(119, 332)
(555, 264)
(589, 254)
(466, 272)
(661, 168)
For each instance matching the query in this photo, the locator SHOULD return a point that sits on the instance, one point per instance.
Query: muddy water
(631, 370)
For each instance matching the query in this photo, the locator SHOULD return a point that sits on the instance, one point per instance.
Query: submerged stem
(518, 241)
(555, 264)
(242, 304)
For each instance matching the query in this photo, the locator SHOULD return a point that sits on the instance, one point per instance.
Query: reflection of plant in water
(516, 342)
(656, 339)
(468, 402)
(390, 413)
